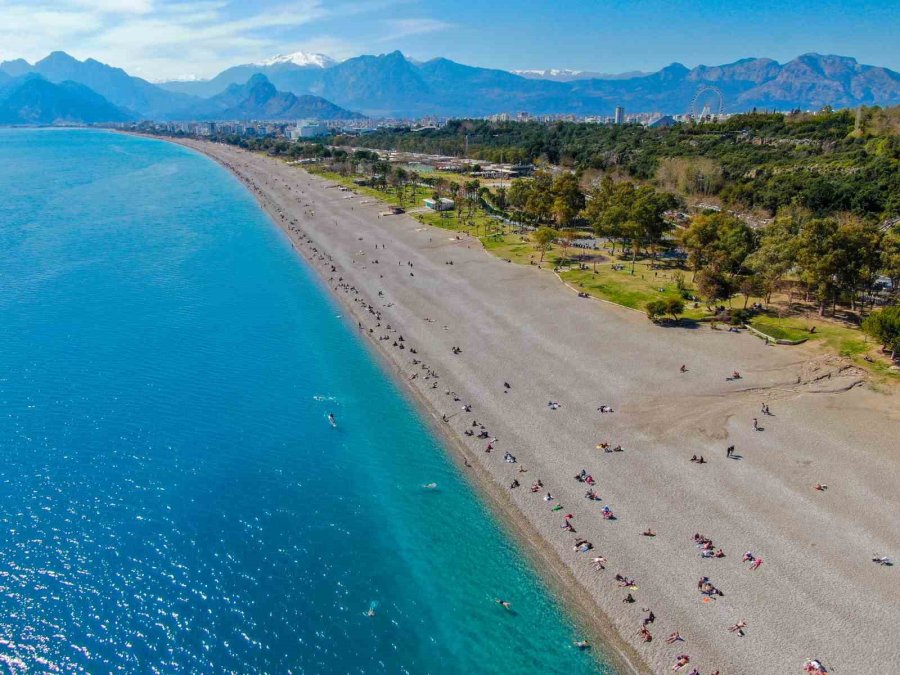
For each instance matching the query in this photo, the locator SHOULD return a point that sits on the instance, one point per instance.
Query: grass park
(607, 275)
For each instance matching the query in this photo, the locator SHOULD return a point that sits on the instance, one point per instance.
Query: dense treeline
(819, 162)
(843, 260)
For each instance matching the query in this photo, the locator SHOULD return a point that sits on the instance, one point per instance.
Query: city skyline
(160, 40)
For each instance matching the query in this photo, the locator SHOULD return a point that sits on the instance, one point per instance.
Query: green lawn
(620, 286)
(780, 329)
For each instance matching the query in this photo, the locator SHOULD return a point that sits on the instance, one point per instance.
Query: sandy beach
(816, 592)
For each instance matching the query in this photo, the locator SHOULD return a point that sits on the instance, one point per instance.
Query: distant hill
(565, 75)
(141, 99)
(392, 85)
(31, 99)
(132, 93)
(259, 99)
(296, 70)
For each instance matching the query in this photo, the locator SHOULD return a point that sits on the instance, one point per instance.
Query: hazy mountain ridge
(123, 90)
(119, 96)
(31, 99)
(393, 85)
(568, 75)
(259, 99)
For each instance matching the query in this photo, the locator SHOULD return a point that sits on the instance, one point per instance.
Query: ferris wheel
(708, 102)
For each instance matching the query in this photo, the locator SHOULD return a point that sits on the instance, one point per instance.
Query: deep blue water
(172, 497)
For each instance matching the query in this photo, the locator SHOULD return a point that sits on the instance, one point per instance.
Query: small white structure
(442, 204)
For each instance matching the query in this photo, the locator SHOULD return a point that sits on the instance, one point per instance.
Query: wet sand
(816, 594)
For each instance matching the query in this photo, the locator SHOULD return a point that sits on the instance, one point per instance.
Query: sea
(173, 497)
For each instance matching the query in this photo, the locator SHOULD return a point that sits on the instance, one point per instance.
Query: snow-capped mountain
(548, 73)
(566, 75)
(303, 59)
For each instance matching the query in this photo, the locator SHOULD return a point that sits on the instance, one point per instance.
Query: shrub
(656, 309)
(673, 307)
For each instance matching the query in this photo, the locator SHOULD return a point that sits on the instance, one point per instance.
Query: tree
(647, 211)
(543, 239)
(777, 253)
(884, 326)
(567, 236)
(655, 309)
(500, 199)
(857, 257)
(890, 256)
(816, 258)
(539, 204)
(568, 199)
(517, 195)
(609, 208)
(698, 239)
(751, 286)
(712, 285)
(674, 307)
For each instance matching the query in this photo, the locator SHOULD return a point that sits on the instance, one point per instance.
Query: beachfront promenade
(473, 327)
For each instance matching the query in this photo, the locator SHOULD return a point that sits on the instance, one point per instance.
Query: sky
(165, 39)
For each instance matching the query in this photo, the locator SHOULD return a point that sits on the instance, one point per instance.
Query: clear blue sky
(169, 38)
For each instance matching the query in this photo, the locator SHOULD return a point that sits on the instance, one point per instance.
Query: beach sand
(817, 593)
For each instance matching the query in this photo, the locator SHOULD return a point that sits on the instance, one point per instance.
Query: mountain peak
(303, 59)
(57, 57)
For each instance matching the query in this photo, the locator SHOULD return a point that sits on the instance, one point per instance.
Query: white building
(442, 204)
(620, 115)
(308, 129)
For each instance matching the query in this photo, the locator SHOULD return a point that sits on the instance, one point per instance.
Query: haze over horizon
(161, 40)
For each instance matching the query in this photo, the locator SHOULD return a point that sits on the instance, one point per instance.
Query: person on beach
(674, 637)
(756, 426)
(645, 635)
(681, 661)
(756, 563)
(582, 644)
(729, 451)
(683, 368)
(648, 533)
(738, 627)
(814, 666)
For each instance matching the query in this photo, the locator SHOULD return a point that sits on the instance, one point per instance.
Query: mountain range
(30, 99)
(259, 99)
(392, 85)
(62, 89)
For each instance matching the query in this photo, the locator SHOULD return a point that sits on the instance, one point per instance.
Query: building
(619, 117)
(442, 204)
(308, 129)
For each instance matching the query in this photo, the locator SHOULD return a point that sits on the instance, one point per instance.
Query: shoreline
(647, 488)
(552, 571)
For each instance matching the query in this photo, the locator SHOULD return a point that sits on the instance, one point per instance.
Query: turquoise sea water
(172, 497)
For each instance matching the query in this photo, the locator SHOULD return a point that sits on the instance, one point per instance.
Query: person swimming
(331, 420)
